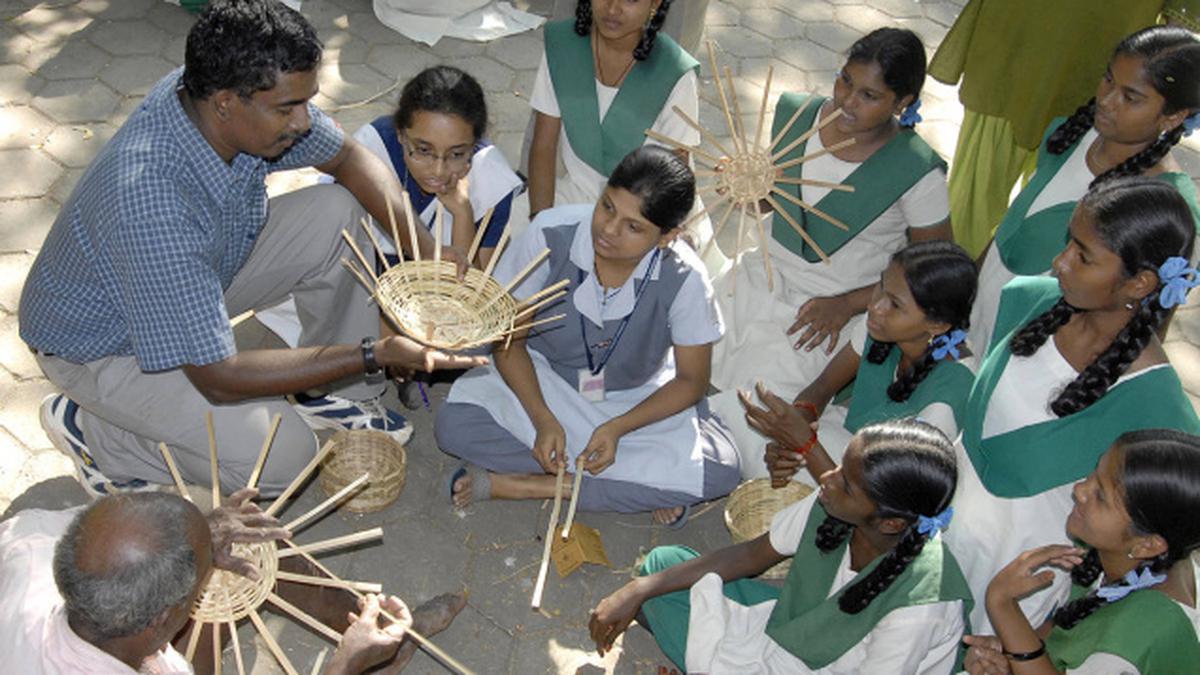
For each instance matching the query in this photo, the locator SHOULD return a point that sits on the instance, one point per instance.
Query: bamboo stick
(370, 269)
(212, 461)
(837, 112)
(566, 530)
(541, 577)
(361, 279)
(406, 203)
(193, 640)
(532, 309)
(179, 484)
(483, 226)
(796, 226)
(520, 276)
(237, 648)
(336, 542)
(720, 226)
(487, 271)
(762, 109)
(517, 329)
(304, 618)
(766, 253)
(395, 228)
(272, 644)
(316, 669)
(693, 219)
(716, 75)
(262, 454)
(810, 208)
(216, 648)
(663, 138)
(553, 288)
(815, 183)
(370, 230)
(364, 586)
(741, 237)
(323, 507)
(813, 155)
(240, 318)
(783, 131)
(300, 478)
(430, 648)
(704, 133)
(737, 109)
(438, 222)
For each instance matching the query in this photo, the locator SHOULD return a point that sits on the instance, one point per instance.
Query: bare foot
(667, 516)
(429, 619)
(462, 491)
(473, 484)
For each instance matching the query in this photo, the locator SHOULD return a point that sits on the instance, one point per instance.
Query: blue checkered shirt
(139, 258)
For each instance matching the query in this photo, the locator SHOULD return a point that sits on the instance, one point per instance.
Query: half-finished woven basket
(750, 508)
(365, 451)
(229, 596)
(428, 303)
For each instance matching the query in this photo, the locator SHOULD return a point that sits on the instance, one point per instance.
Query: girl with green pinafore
(784, 330)
(872, 588)
(1076, 364)
(907, 359)
(1146, 102)
(1133, 606)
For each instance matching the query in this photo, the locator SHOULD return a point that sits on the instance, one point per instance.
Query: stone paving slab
(72, 72)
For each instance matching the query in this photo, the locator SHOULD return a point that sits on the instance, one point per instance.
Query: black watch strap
(371, 369)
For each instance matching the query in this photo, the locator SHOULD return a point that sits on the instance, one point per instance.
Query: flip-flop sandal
(481, 482)
(681, 519)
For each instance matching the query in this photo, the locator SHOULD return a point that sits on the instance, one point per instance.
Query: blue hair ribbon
(1177, 279)
(947, 343)
(910, 116)
(929, 526)
(1133, 581)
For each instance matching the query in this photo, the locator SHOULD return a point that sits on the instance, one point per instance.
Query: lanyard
(637, 297)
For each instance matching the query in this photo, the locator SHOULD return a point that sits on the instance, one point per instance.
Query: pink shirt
(34, 635)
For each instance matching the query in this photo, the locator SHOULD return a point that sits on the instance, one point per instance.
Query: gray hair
(123, 602)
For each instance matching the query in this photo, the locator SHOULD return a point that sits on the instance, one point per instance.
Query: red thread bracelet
(808, 445)
(810, 407)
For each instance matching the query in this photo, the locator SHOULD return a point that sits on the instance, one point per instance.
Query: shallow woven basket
(229, 596)
(750, 508)
(365, 451)
(429, 304)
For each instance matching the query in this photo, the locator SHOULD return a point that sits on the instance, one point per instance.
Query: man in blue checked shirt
(170, 232)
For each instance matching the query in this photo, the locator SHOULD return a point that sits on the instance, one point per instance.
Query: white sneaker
(335, 412)
(58, 420)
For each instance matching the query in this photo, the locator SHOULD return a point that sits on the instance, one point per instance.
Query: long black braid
(583, 17)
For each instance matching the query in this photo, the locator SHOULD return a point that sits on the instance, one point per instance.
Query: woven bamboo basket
(428, 303)
(750, 508)
(229, 596)
(365, 451)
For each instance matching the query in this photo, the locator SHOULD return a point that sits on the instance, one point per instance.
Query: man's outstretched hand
(239, 520)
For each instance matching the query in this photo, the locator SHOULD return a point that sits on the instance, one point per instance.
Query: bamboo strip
(483, 226)
(525, 271)
(300, 478)
(304, 618)
(720, 226)
(741, 237)
(323, 507)
(237, 648)
(316, 669)
(692, 219)
(240, 318)
(262, 454)
(553, 288)
(215, 474)
(783, 131)
(272, 644)
(716, 75)
(395, 228)
(193, 640)
(216, 648)
(364, 586)
(813, 155)
(810, 208)
(366, 225)
(336, 542)
(517, 329)
(361, 278)
(815, 183)
(796, 226)
(179, 484)
(766, 253)
(762, 109)
(566, 530)
(549, 539)
(837, 112)
(704, 133)
(432, 649)
(370, 269)
(662, 138)
(737, 109)
(438, 222)
(406, 203)
(487, 271)
(534, 308)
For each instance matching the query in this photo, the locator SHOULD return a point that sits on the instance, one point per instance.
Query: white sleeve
(921, 639)
(788, 525)
(941, 416)
(694, 317)
(519, 252)
(927, 203)
(543, 99)
(858, 333)
(1103, 663)
(684, 95)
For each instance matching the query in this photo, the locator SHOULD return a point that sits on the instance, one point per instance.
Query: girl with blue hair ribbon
(908, 358)
(1077, 362)
(1133, 606)
(1148, 99)
(872, 587)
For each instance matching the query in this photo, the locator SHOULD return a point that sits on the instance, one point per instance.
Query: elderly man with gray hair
(104, 588)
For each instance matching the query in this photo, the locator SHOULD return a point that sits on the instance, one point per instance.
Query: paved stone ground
(72, 71)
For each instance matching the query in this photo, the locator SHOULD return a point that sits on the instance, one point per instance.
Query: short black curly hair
(243, 45)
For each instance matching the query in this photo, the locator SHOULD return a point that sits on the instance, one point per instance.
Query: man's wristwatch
(371, 369)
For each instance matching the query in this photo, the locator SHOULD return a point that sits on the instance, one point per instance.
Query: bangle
(810, 407)
(1028, 656)
(808, 445)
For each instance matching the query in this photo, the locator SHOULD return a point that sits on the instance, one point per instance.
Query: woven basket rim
(419, 294)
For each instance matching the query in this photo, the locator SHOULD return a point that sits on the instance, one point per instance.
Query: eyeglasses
(455, 160)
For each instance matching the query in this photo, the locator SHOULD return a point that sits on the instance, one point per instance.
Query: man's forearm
(275, 372)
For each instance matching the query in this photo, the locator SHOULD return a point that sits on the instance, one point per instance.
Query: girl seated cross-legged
(616, 388)
(1133, 608)
(872, 588)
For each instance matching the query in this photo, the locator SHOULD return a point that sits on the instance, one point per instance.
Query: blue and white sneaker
(58, 417)
(335, 412)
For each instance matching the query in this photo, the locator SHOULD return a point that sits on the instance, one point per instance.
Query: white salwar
(725, 636)
(478, 20)
(694, 320)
